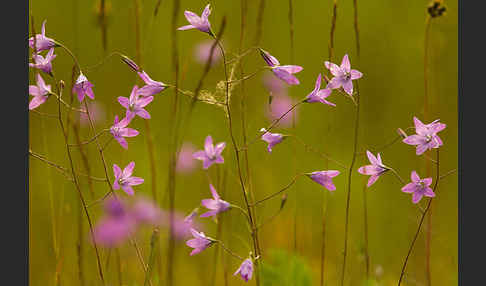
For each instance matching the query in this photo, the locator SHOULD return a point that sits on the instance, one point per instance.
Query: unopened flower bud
(402, 133)
(283, 201)
(130, 63)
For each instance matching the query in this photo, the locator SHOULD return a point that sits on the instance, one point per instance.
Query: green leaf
(285, 269)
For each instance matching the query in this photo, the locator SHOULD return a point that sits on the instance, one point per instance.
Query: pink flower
(124, 179)
(116, 226)
(40, 92)
(182, 225)
(319, 95)
(216, 205)
(199, 242)
(145, 211)
(284, 73)
(426, 137)
(135, 104)
(41, 41)
(185, 161)
(83, 87)
(281, 104)
(119, 130)
(245, 270)
(211, 154)
(96, 112)
(419, 188)
(376, 169)
(203, 51)
(343, 75)
(196, 22)
(274, 85)
(151, 86)
(324, 178)
(44, 64)
(271, 138)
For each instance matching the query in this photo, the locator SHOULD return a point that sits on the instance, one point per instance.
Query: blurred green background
(392, 92)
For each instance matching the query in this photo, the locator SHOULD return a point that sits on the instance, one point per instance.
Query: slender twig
(353, 160)
(153, 242)
(254, 233)
(365, 232)
(424, 213)
(78, 188)
(228, 250)
(84, 158)
(356, 27)
(79, 143)
(314, 150)
(280, 191)
(259, 24)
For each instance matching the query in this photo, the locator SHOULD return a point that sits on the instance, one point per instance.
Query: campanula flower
(279, 105)
(211, 154)
(185, 161)
(274, 85)
(343, 75)
(271, 138)
(40, 92)
(124, 179)
(116, 226)
(245, 270)
(199, 242)
(202, 53)
(376, 169)
(182, 224)
(43, 63)
(419, 188)
(83, 87)
(144, 211)
(318, 94)
(426, 137)
(119, 130)
(151, 86)
(41, 41)
(135, 104)
(324, 178)
(284, 73)
(196, 22)
(216, 205)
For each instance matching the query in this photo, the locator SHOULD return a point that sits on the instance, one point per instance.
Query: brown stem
(424, 213)
(279, 192)
(350, 174)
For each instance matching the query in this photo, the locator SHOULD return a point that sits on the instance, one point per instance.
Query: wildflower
(211, 154)
(182, 225)
(41, 41)
(426, 137)
(419, 188)
(324, 178)
(151, 86)
(280, 105)
(44, 64)
(119, 130)
(343, 75)
(185, 161)
(145, 211)
(199, 242)
(83, 87)
(124, 179)
(135, 104)
(40, 92)
(116, 226)
(202, 53)
(376, 169)
(96, 112)
(271, 138)
(196, 22)
(274, 85)
(216, 205)
(245, 270)
(318, 94)
(284, 73)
